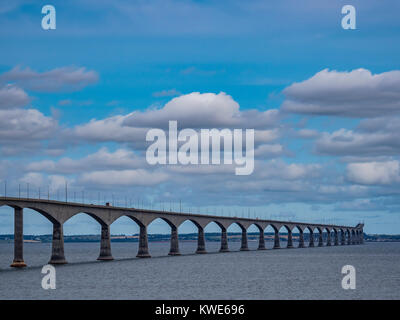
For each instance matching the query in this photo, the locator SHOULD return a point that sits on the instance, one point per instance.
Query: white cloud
(373, 137)
(12, 97)
(374, 172)
(109, 129)
(357, 93)
(204, 110)
(58, 79)
(24, 129)
(194, 110)
(33, 178)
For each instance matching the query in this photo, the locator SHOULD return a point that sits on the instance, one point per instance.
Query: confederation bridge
(59, 212)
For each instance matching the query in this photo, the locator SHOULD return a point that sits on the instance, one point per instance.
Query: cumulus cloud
(203, 110)
(24, 129)
(12, 97)
(194, 110)
(357, 93)
(370, 173)
(109, 129)
(58, 79)
(372, 137)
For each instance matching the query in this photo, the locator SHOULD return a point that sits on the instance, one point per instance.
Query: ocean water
(309, 273)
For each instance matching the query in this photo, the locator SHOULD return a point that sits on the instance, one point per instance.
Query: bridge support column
(57, 255)
(328, 241)
(353, 238)
(174, 251)
(105, 244)
(224, 241)
(349, 239)
(301, 239)
(289, 240)
(320, 240)
(342, 238)
(261, 241)
(201, 243)
(311, 239)
(336, 239)
(277, 244)
(18, 261)
(362, 237)
(143, 251)
(244, 246)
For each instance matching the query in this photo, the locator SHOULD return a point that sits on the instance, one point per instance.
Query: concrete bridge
(58, 213)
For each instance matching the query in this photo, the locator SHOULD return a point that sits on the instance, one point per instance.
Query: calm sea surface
(310, 273)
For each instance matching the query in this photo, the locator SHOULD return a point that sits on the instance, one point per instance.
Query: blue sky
(329, 153)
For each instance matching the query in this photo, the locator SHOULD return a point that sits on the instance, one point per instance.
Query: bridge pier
(244, 246)
(277, 244)
(311, 239)
(201, 243)
(349, 238)
(362, 237)
(224, 241)
(57, 255)
(105, 244)
(328, 241)
(320, 240)
(342, 238)
(261, 241)
(301, 239)
(174, 251)
(336, 239)
(18, 261)
(289, 240)
(143, 251)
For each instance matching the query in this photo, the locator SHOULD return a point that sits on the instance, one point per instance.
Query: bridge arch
(335, 236)
(298, 236)
(255, 235)
(190, 223)
(269, 235)
(103, 231)
(353, 236)
(237, 241)
(90, 214)
(216, 231)
(163, 225)
(308, 234)
(348, 236)
(44, 213)
(326, 236)
(18, 217)
(318, 236)
(128, 225)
